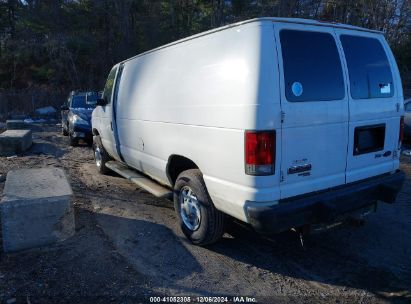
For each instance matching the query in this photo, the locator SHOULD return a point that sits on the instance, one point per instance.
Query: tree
(72, 44)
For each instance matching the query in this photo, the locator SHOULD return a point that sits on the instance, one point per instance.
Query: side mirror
(101, 102)
(64, 107)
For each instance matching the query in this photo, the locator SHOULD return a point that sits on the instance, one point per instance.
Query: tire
(64, 130)
(73, 141)
(98, 149)
(209, 227)
(89, 142)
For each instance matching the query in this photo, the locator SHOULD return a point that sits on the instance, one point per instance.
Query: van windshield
(368, 67)
(79, 101)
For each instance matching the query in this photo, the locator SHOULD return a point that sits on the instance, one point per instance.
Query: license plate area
(369, 139)
(79, 134)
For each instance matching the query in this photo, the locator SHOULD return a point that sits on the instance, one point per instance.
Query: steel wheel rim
(98, 157)
(189, 208)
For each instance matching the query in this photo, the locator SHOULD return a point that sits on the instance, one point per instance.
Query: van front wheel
(100, 155)
(200, 221)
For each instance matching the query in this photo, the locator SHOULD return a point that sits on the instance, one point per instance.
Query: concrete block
(15, 141)
(36, 208)
(16, 124)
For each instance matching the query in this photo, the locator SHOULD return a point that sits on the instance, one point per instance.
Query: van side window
(312, 66)
(108, 88)
(368, 67)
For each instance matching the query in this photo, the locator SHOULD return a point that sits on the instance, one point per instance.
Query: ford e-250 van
(280, 123)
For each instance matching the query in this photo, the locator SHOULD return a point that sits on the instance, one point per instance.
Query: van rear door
(373, 104)
(314, 106)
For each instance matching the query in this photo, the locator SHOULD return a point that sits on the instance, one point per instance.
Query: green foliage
(403, 55)
(42, 73)
(72, 44)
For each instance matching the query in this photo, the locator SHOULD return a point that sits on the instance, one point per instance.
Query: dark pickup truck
(76, 116)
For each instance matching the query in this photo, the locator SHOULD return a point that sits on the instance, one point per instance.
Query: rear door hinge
(282, 116)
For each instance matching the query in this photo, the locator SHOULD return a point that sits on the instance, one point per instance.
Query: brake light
(401, 135)
(260, 150)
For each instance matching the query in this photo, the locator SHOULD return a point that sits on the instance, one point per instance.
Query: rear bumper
(324, 206)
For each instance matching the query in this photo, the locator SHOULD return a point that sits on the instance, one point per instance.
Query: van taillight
(260, 152)
(401, 136)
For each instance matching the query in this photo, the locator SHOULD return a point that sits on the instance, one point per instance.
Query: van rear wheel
(100, 155)
(200, 221)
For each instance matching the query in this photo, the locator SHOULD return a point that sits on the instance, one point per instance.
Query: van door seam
(280, 150)
(114, 105)
(347, 91)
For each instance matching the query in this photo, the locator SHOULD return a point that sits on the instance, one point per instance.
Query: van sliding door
(314, 106)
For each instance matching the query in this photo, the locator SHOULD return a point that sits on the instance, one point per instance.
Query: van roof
(261, 19)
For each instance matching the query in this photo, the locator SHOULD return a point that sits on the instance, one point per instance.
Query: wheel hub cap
(97, 156)
(189, 208)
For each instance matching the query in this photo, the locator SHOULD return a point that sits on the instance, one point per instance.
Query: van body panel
(204, 123)
(231, 198)
(198, 96)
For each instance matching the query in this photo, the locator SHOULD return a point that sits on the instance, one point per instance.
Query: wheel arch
(177, 164)
(95, 132)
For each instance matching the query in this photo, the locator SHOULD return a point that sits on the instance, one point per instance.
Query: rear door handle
(299, 169)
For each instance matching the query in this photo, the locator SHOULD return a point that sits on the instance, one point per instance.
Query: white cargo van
(279, 123)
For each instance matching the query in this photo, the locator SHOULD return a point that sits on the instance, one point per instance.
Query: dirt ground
(128, 247)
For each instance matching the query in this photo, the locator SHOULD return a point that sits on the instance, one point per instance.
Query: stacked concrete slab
(36, 208)
(15, 141)
(16, 124)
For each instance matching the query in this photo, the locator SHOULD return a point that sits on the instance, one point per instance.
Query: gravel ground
(128, 247)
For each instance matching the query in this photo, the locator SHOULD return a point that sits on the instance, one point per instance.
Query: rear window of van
(368, 67)
(312, 66)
